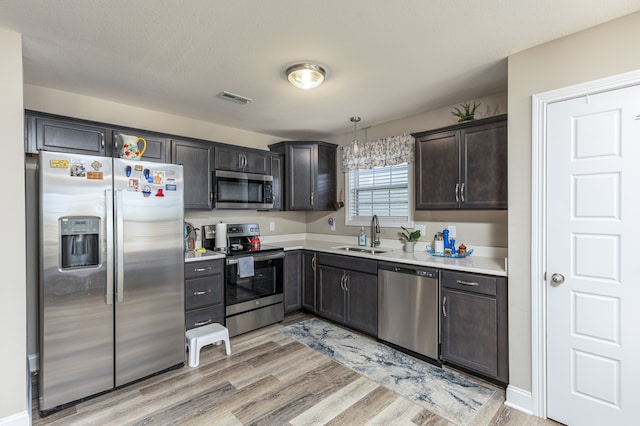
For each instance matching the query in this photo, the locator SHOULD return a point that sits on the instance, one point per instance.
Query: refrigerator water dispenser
(79, 242)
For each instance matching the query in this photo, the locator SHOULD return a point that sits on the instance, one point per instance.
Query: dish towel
(245, 267)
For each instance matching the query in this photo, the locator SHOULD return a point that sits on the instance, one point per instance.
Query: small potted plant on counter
(410, 239)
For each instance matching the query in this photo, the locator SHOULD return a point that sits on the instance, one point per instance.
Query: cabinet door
(437, 171)
(277, 171)
(68, 136)
(196, 158)
(292, 281)
(469, 331)
(229, 158)
(361, 311)
(484, 183)
(325, 193)
(309, 280)
(156, 146)
(301, 176)
(330, 297)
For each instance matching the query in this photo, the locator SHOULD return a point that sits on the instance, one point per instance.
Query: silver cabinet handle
(115, 142)
(202, 269)
(346, 282)
(313, 262)
(342, 282)
(466, 282)
(444, 306)
(102, 141)
(456, 191)
(312, 198)
(198, 324)
(462, 192)
(200, 293)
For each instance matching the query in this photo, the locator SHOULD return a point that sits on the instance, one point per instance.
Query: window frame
(385, 221)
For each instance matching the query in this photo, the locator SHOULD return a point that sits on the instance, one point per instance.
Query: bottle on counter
(362, 237)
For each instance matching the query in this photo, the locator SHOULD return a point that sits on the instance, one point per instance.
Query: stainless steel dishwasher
(408, 308)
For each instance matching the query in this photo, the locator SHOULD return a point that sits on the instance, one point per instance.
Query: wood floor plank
(334, 404)
(399, 412)
(366, 408)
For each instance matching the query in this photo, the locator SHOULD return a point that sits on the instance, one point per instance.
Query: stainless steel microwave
(238, 190)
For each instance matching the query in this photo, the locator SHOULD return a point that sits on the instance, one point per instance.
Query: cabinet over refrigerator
(111, 274)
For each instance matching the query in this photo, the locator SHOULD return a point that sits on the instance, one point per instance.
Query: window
(385, 191)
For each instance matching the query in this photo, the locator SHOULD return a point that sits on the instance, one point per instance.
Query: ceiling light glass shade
(305, 76)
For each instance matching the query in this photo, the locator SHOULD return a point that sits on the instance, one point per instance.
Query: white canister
(438, 246)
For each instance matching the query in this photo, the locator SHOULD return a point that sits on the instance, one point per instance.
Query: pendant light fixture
(354, 144)
(305, 76)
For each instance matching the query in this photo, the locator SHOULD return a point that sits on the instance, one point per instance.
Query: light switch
(272, 226)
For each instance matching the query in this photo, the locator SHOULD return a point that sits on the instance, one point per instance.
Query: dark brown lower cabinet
(309, 280)
(204, 293)
(292, 281)
(474, 324)
(347, 291)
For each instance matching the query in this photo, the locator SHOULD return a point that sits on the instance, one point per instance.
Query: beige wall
(598, 52)
(482, 228)
(13, 356)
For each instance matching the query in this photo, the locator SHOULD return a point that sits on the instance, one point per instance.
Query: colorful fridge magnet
(134, 184)
(160, 193)
(158, 177)
(146, 191)
(77, 169)
(171, 184)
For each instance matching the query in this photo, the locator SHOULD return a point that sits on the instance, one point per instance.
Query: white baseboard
(519, 399)
(18, 419)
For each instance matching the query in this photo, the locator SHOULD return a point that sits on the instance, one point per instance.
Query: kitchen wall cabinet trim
(462, 166)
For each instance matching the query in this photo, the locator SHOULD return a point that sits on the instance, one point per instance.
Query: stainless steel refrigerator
(111, 274)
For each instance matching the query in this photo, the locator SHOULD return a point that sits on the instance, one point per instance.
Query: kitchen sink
(370, 250)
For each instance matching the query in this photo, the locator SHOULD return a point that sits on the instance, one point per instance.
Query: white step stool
(202, 336)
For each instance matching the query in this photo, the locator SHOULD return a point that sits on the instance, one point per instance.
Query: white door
(593, 250)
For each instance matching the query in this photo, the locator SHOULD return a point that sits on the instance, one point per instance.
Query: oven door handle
(257, 257)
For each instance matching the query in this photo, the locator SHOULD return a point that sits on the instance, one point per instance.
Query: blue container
(446, 238)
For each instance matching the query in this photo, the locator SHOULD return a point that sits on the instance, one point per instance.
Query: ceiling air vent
(234, 98)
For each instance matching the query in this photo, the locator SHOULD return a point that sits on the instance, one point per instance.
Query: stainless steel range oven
(253, 283)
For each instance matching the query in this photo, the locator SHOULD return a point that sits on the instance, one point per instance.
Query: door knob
(557, 278)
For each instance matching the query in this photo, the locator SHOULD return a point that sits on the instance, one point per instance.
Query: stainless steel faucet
(375, 231)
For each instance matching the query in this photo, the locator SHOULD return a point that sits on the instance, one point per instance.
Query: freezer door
(76, 314)
(150, 268)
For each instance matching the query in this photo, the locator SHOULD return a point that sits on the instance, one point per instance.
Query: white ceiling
(384, 59)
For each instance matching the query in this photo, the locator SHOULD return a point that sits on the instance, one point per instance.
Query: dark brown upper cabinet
(462, 166)
(309, 174)
(242, 160)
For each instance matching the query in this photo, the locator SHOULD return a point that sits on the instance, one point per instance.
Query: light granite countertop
(483, 260)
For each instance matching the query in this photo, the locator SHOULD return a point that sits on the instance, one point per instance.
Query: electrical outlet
(272, 226)
(452, 231)
(421, 228)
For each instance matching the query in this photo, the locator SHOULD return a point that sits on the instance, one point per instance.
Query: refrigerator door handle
(119, 240)
(108, 195)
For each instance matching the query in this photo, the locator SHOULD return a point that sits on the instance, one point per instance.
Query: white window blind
(383, 191)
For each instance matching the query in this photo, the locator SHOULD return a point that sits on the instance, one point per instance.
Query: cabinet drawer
(348, 262)
(203, 267)
(204, 316)
(202, 291)
(482, 284)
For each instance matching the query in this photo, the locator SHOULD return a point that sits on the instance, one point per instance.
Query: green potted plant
(410, 239)
(468, 113)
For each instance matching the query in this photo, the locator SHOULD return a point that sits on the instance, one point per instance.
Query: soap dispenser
(362, 237)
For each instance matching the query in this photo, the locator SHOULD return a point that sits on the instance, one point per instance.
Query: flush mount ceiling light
(305, 76)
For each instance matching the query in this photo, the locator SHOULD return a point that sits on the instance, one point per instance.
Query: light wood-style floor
(269, 379)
